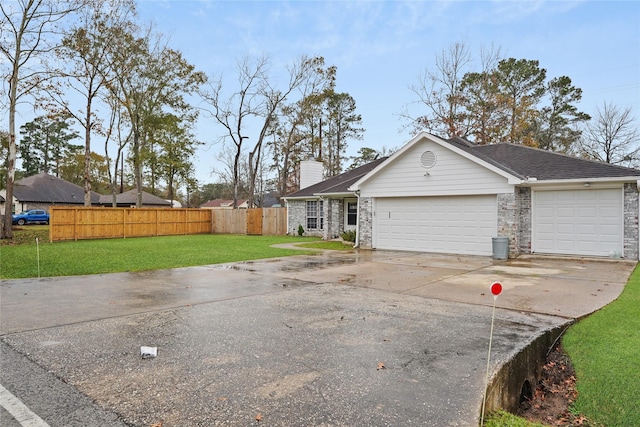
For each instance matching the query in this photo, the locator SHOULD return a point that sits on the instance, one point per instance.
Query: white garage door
(458, 225)
(579, 222)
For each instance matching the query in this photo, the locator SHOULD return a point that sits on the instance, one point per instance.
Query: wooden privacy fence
(259, 221)
(78, 222)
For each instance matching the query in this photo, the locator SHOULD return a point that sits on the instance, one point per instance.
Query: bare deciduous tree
(256, 98)
(438, 91)
(301, 70)
(29, 30)
(611, 137)
(233, 111)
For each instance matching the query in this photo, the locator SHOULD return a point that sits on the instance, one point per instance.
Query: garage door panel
(581, 222)
(462, 225)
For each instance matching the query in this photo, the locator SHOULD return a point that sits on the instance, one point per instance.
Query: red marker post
(496, 289)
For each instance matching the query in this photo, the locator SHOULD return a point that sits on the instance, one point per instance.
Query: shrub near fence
(77, 223)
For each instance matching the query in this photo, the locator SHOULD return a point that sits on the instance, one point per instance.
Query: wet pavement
(336, 339)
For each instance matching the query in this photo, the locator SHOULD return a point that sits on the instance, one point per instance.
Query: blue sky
(381, 47)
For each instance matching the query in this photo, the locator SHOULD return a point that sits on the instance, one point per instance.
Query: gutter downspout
(637, 190)
(357, 242)
(286, 204)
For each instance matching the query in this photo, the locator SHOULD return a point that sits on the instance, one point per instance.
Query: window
(352, 213)
(315, 214)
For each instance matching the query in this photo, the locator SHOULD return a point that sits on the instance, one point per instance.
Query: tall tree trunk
(87, 155)
(7, 230)
(170, 192)
(47, 144)
(137, 168)
(236, 175)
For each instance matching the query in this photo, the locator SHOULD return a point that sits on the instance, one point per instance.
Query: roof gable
(511, 178)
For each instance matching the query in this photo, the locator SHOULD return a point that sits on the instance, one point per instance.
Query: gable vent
(428, 159)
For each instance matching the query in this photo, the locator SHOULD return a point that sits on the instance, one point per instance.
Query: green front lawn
(331, 245)
(137, 254)
(605, 351)
(505, 419)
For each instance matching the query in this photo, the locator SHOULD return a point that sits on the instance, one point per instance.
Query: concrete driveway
(336, 339)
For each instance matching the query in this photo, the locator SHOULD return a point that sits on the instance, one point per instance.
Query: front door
(350, 214)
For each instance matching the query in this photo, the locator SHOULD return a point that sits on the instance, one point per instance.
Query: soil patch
(556, 391)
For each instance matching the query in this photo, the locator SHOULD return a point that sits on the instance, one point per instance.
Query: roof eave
(321, 195)
(337, 194)
(602, 180)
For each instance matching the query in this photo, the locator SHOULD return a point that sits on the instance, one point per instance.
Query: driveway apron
(336, 339)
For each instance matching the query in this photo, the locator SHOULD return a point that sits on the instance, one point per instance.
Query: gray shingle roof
(222, 203)
(524, 162)
(45, 188)
(339, 183)
(131, 197)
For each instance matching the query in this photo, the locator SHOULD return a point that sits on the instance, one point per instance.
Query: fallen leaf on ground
(259, 417)
(381, 366)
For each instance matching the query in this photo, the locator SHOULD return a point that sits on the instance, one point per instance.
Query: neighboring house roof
(222, 203)
(45, 188)
(130, 198)
(270, 200)
(338, 184)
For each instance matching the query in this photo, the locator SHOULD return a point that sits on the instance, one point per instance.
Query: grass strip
(328, 245)
(505, 419)
(138, 254)
(605, 352)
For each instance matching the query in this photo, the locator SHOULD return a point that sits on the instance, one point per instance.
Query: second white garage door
(458, 225)
(578, 222)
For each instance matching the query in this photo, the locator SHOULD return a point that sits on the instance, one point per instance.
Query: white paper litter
(148, 351)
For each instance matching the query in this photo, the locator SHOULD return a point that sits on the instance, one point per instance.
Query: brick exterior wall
(333, 214)
(630, 219)
(365, 223)
(523, 212)
(508, 221)
(334, 223)
(297, 212)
